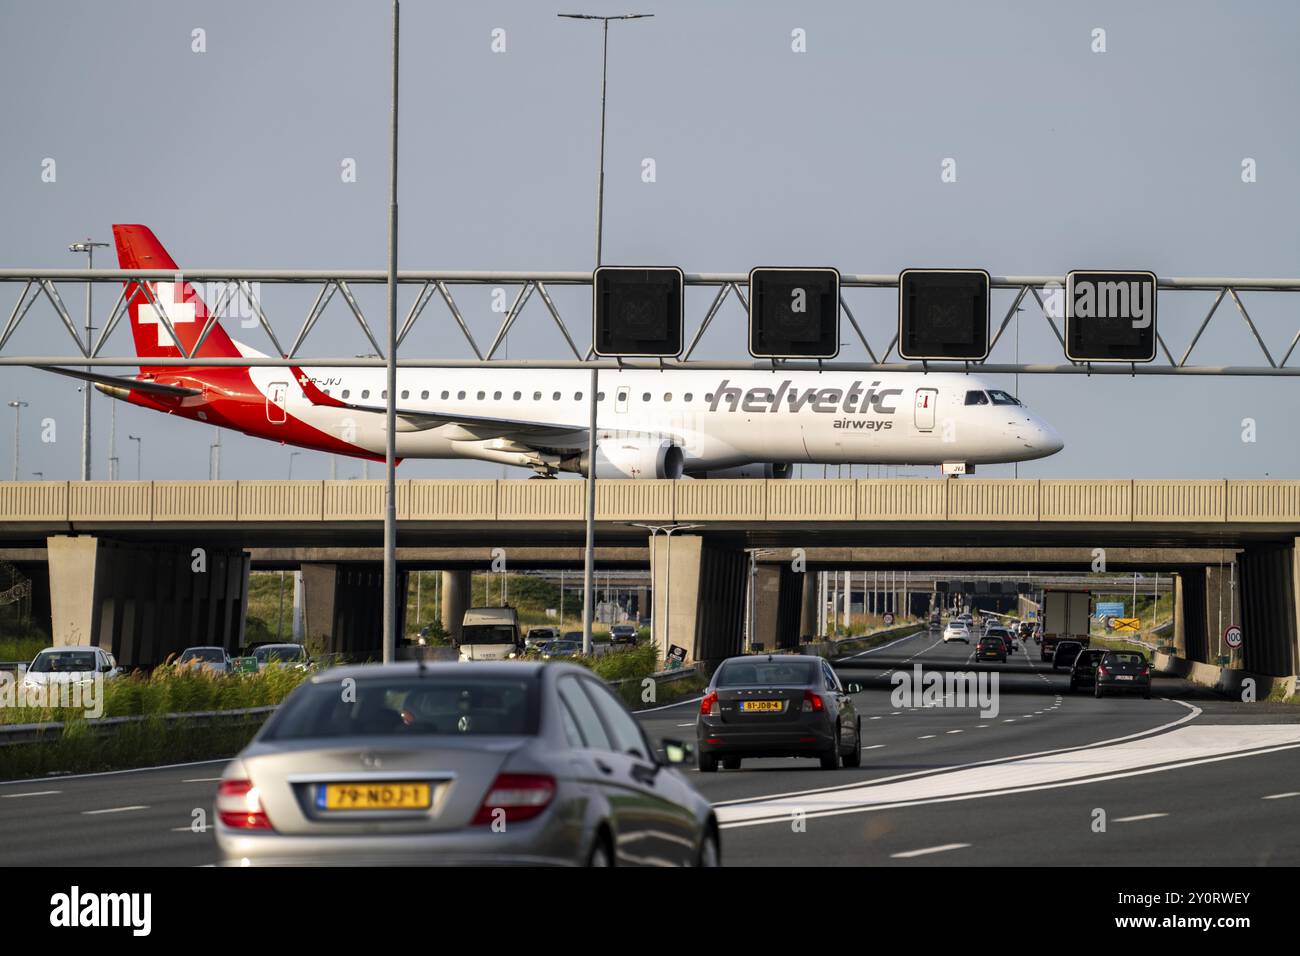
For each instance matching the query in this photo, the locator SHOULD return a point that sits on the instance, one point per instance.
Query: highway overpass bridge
(117, 565)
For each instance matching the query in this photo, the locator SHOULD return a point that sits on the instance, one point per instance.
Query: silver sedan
(465, 763)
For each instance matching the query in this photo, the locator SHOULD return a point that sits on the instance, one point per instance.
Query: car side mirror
(676, 752)
(105, 668)
(853, 687)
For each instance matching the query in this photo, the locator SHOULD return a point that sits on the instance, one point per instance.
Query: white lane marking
(927, 737)
(877, 717)
(1193, 713)
(873, 747)
(110, 773)
(954, 731)
(202, 780)
(34, 793)
(1281, 796)
(1140, 816)
(92, 813)
(1009, 720)
(691, 724)
(928, 850)
(1185, 747)
(872, 650)
(189, 830)
(680, 703)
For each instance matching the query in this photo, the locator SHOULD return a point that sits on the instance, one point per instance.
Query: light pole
(38, 475)
(751, 607)
(139, 456)
(292, 456)
(390, 397)
(589, 560)
(668, 530)
(88, 247)
(17, 405)
(214, 457)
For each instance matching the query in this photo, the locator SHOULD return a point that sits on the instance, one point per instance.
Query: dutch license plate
(394, 795)
(762, 706)
(1123, 676)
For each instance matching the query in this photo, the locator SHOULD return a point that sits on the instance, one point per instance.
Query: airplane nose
(1049, 440)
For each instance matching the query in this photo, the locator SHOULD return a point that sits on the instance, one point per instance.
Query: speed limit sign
(1232, 635)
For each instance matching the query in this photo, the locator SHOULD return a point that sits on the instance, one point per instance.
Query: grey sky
(1065, 159)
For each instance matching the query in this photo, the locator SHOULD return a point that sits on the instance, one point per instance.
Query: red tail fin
(139, 248)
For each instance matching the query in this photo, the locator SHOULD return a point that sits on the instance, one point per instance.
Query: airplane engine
(632, 457)
(758, 469)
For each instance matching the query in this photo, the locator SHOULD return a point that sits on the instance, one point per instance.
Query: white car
(70, 665)
(956, 631)
(213, 660)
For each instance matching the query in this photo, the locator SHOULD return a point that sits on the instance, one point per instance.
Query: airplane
(651, 423)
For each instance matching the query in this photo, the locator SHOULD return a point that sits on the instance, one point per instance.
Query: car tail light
(521, 795)
(708, 703)
(1101, 669)
(812, 703)
(239, 805)
(1146, 670)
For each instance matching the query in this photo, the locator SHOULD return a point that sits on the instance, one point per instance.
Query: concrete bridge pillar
(456, 595)
(699, 597)
(1269, 609)
(779, 607)
(343, 609)
(143, 602)
(807, 605)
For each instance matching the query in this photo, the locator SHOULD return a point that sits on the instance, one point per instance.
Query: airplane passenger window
(384, 394)
(537, 396)
(346, 392)
(689, 396)
(668, 396)
(709, 399)
(496, 396)
(976, 398)
(555, 397)
(1003, 398)
(518, 395)
(482, 395)
(406, 393)
(600, 396)
(645, 397)
(424, 394)
(445, 394)
(577, 396)
(365, 393)
(460, 395)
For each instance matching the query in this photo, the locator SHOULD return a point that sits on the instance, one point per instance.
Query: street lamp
(668, 530)
(139, 456)
(17, 405)
(751, 608)
(292, 456)
(589, 559)
(88, 247)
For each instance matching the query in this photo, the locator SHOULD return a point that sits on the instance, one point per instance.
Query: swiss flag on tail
(139, 248)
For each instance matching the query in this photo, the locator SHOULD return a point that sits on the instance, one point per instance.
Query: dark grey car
(777, 705)
(1125, 672)
(465, 763)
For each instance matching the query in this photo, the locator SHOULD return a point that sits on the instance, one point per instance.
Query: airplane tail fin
(139, 248)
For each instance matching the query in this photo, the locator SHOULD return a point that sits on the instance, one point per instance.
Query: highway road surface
(1053, 779)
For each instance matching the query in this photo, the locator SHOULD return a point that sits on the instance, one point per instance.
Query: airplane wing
(541, 435)
(117, 381)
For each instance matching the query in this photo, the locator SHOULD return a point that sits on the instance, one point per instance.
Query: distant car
(558, 649)
(572, 636)
(213, 660)
(290, 655)
(622, 634)
(1125, 671)
(460, 764)
(1026, 630)
(956, 631)
(537, 636)
(777, 705)
(1065, 653)
(70, 665)
(1002, 634)
(1083, 672)
(991, 649)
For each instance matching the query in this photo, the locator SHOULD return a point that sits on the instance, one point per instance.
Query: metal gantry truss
(238, 285)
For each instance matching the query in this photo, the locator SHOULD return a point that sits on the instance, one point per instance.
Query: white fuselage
(718, 419)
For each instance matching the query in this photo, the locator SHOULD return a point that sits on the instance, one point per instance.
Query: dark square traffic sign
(943, 314)
(794, 313)
(1110, 316)
(638, 311)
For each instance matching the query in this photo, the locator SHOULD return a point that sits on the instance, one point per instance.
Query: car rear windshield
(63, 662)
(765, 673)
(1125, 658)
(280, 652)
(407, 707)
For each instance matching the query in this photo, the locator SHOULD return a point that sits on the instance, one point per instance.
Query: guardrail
(731, 500)
(30, 733)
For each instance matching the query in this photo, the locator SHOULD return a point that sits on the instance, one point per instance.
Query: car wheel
(710, 852)
(600, 853)
(731, 763)
(1096, 692)
(854, 757)
(1073, 687)
(1146, 695)
(708, 763)
(831, 761)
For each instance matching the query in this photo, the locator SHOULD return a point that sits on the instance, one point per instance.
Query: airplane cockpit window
(1003, 398)
(976, 398)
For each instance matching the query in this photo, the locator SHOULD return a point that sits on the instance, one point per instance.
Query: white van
(490, 634)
